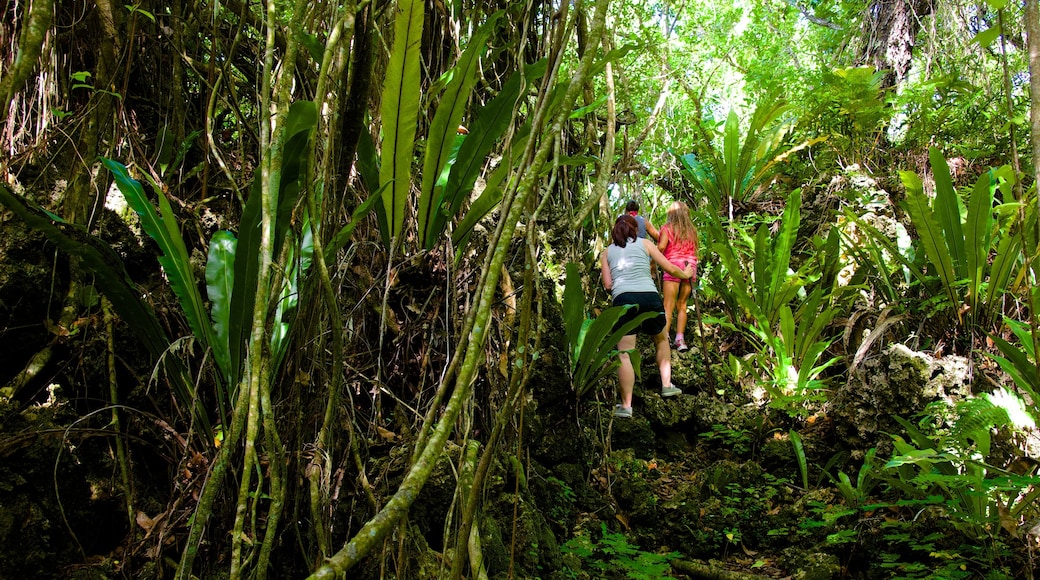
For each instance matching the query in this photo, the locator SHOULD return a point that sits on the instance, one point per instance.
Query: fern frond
(976, 418)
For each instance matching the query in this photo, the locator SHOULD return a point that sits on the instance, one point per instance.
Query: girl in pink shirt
(678, 242)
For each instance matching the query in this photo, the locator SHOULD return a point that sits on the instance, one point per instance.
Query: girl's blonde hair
(681, 225)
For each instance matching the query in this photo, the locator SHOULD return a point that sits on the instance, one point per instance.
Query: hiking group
(627, 269)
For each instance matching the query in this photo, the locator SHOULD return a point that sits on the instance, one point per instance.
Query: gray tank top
(630, 268)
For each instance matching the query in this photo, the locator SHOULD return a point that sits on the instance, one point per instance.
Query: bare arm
(667, 265)
(662, 239)
(652, 231)
(604, 268)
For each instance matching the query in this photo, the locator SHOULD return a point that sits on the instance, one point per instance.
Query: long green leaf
(598, 345)
(799, 453)
(490, 123)
(220, 284)
(368, 169)
(492, 193)
(112, 280)
(342, 237)
(700, 174)
(731, 175)
(948, 212)
(110, 274)
(781, 253)
(1006, 259)
(447, 118)
(573, 304)
(174, 260)
(247, 272)
(400, 111)
(930, 233)
(979, 232)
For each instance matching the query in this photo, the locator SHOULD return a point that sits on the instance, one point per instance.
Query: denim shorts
(644, 302)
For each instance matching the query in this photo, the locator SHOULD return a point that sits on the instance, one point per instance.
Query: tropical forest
(330, 289)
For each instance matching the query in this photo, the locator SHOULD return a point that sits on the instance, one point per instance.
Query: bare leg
(684, 297)
(664, 358)
(626, 374)
(671, 289)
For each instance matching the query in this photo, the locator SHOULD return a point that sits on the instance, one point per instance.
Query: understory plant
(965, 249)
(612, 555)
(957, 469)
(734, 169)
(592, 342)
(785, 313)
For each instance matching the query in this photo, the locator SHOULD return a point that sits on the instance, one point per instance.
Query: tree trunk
(889, 33)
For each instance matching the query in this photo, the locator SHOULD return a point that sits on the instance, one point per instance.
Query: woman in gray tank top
(625, 266)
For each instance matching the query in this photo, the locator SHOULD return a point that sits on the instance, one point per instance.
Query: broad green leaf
(948, 211)
(443, 129)
(986, 37)
(368, 169)
(588, 109)
(342, 237)
(174, 260)
(799, 453)
(930, 233)
(247, 272)
(400, 111)
(489, 124)
(573, 304)
(492, 193)
(979, 230)
(220, 283)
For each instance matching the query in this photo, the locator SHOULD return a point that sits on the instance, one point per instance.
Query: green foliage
(1020, 362)
(760, 297)
(799, 454)
(110, 275)
(592, 343)
(490, 122)
(342, 237)
(165, 230)
(231, 268)
(452, 161)
(856, 494)
(112, 280)
(743, 163)
(910, 552)
(951, 469)
(960, 253)
(740, 441)
(612, 554)
(436, 204)
(400, 112)
(849, 106)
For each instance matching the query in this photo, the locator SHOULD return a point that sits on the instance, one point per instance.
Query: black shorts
(644, 302)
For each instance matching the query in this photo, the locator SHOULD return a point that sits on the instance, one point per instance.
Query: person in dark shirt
(645, 227)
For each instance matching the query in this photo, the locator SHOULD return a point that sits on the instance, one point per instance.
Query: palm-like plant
(763, 302)
(973, 258)
(744, 162)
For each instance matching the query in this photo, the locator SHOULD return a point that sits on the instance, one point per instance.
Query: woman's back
(630, 268)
